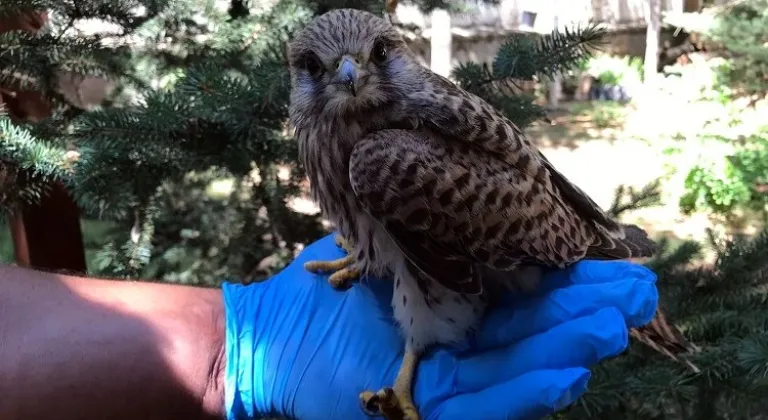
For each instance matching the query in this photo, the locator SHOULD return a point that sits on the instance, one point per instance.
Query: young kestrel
(429, 186)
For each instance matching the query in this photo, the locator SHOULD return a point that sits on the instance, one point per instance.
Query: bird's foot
(390, 404)
(343, 272)
(395, 403)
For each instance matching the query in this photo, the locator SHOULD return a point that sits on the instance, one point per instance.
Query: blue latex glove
(298, 348)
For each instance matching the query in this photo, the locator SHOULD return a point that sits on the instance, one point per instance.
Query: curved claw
(386, 403)
(395, 403)
(370, 404)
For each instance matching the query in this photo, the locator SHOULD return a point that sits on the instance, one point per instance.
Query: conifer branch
(27, 166)
(524, 56)
(628, 198)
(520, 58)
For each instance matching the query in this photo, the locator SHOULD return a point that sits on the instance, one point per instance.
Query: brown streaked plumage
(430, 186)
(662, 336)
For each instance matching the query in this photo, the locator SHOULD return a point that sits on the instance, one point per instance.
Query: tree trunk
(441, 44)
(47, 235)
(556, 88)
(652, 41)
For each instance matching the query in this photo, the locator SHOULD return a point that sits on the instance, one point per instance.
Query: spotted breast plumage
(430, 186)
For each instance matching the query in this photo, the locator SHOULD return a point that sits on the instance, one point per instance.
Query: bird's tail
(634, 243)
(662, 336)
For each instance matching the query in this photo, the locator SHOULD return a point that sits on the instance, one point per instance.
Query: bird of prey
(430, 186)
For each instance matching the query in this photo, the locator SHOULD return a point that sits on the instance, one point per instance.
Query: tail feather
(634, 244)
(662, 336)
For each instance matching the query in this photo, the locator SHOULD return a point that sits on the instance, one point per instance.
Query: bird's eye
(379, 52)
(312, 64)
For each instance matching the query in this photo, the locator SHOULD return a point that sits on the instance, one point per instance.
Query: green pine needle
(523, 56)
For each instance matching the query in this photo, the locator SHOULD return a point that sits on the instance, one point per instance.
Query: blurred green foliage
(607, 115)
(731, 183)
(614, 70)
(742, 29)
(728, 185)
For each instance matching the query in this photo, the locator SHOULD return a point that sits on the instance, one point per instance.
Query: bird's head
(345, 62)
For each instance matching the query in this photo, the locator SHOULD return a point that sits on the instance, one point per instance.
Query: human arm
(87, 349)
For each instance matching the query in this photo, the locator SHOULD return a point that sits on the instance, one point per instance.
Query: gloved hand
(298, 348)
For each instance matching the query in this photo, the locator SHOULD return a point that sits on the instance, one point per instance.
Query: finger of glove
(533, 395)
(580, 342)
(635, 298)
(597, 272)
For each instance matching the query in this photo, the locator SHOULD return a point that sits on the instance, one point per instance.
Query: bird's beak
(347, 74)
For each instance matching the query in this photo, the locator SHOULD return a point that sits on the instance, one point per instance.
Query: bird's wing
(457, 114)
(449, 207)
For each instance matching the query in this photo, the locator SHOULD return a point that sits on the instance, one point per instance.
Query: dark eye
(379, 52)
(313, 65)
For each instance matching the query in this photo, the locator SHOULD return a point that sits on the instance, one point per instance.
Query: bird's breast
(324, 150)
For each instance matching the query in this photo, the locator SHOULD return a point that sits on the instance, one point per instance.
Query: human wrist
(162, 342)
(213, 396)
(239, 304)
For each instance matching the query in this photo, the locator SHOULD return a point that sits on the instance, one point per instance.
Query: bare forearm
(92, 349)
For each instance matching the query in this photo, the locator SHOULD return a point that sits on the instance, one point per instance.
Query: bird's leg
(395, 403)
(342, 269)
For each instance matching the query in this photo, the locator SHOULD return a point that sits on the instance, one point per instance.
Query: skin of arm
(87, 349)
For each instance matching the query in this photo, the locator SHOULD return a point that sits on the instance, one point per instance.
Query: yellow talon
(342, 272)
(335, 265)
(394, 403)
(342, 277)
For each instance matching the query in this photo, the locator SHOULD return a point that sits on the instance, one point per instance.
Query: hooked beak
(347, 74)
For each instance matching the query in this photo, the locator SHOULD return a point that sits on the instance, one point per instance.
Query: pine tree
(740, 29)
(720, 308)
(733, 187)
(201, 96)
